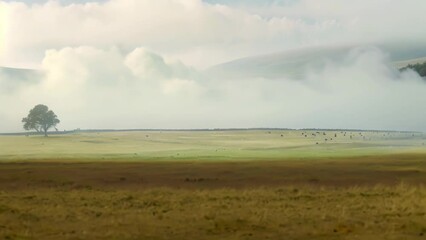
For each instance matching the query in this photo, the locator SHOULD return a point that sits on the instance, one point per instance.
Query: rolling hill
(11, 78)
(294, 64)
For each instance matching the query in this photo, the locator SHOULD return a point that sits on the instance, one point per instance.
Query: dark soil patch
(360, 171)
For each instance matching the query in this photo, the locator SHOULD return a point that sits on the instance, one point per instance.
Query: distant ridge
(18, 73)
(11, 78)
(288, 64)
(294, 64)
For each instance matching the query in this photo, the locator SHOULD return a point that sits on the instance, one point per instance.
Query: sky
(154, 64)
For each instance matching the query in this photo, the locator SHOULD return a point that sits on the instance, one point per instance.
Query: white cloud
(198, 33)
(181, 87)
(86, 83)
(148, 65)
(98, 88)
(131, 59)
(164, 25)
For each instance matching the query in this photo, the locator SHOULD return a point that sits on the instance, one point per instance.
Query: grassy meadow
(209, 145)
(214, 185)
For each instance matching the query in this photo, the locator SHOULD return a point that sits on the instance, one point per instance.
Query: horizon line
(199, 130)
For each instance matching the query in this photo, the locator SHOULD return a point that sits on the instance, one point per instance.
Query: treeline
(420, 68)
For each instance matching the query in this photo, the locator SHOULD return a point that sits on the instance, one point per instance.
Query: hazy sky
(141, 63)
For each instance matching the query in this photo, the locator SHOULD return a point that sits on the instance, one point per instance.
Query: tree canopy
(41, 119)
(420, 68)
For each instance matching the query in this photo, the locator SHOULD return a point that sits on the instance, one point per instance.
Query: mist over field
(95, 88)
(181, 64)
(212, 119)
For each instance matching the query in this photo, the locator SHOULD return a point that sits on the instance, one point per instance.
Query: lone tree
(40, 119)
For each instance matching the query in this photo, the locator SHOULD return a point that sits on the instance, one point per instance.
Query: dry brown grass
(354, 198)
(397, 212)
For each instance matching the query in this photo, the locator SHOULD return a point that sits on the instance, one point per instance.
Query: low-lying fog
(166, 63)
(107, 88)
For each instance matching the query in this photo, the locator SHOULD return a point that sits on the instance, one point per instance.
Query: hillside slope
(12, 78)
(295, 64)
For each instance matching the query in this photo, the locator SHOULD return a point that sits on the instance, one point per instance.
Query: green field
(209, 145)
(214, 185)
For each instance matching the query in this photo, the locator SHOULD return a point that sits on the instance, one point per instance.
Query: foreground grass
(379, 212)
(214, 185)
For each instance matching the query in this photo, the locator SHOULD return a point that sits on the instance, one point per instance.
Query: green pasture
(208, 145)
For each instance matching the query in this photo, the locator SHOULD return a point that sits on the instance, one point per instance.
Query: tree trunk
(45, 133)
